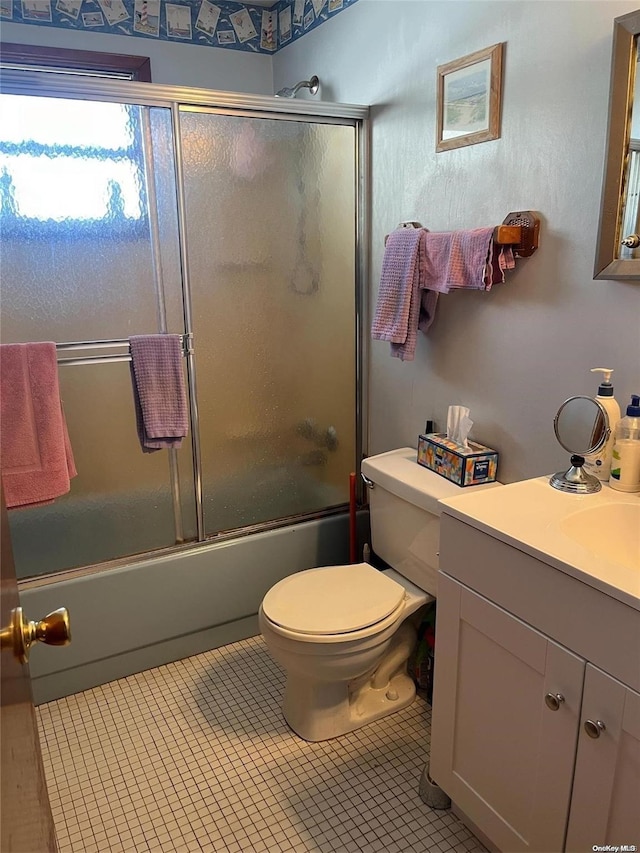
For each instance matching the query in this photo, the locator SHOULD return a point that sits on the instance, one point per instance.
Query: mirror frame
(623, 62)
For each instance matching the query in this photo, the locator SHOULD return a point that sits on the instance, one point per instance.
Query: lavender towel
(158, 391)
(418, 265)
(402, 307)
(36, 457)
(399, 285)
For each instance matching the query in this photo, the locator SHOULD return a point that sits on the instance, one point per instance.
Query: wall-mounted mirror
(618, 249)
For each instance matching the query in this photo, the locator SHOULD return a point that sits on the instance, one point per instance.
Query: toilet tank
(405, 513)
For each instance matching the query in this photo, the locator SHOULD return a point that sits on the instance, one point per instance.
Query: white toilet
(343, 634)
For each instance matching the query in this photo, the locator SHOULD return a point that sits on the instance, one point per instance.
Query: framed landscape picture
(469, 99)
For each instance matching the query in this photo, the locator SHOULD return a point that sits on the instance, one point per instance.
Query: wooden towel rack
(520, 229)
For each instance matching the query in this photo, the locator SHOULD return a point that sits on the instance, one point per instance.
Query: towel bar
(186, 341)
(528, 225)
(520, 229)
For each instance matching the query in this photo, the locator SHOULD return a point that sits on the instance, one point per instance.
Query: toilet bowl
(344, 634)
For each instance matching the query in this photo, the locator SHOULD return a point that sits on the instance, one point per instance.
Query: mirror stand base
(576, 480)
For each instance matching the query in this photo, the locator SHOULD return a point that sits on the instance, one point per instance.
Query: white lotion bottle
(625, 465)
(599, 463)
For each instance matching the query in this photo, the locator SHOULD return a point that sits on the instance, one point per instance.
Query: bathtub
(164, 608)
(91, 528)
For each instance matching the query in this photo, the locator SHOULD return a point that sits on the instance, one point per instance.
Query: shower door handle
(54, 630)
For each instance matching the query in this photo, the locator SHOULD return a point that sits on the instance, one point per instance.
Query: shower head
(312, 85)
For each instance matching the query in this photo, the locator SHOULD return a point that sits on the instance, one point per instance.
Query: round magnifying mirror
(581, 426)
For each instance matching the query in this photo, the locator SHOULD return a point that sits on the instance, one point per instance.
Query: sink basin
(610, 531)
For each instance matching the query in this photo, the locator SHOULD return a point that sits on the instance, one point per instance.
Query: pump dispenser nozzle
(606, 388)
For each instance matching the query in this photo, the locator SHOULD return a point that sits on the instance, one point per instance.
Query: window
(70, 169)
(68, 163)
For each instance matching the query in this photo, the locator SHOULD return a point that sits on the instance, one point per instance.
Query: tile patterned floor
(195, 756)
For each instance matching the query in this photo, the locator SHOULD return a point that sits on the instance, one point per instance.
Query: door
(91, 256)
(237, 229)
(270, 212)
(505, 719)
(27, 822)
(606, 790)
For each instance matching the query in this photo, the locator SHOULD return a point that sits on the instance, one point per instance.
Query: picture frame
(469, 99)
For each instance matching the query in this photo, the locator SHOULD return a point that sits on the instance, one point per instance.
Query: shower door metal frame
(43, 84)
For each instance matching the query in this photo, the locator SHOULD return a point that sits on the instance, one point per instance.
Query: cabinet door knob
(593, 729)
(554, 700)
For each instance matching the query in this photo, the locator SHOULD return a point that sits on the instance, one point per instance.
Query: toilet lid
(332, 599)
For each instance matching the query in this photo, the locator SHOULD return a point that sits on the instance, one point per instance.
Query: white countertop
(530, 516)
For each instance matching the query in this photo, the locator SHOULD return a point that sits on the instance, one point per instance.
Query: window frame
(136, 67)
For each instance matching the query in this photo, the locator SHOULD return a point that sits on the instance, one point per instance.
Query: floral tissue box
(464, 466)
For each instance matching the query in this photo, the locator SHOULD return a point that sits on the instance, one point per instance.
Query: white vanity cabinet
(525, 657)
(606, 789)
(502, 755)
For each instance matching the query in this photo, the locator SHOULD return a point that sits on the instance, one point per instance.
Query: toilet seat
(333, 600)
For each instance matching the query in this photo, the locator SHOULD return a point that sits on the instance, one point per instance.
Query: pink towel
(158, 391)
(501, 258)
(35, 457)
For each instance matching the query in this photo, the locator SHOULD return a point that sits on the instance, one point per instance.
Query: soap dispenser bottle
(625, 465)
(599, 463)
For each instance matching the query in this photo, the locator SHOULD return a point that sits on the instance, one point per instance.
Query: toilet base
(320, 710)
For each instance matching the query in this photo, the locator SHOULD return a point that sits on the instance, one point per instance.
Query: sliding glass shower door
(91, 253)
(271, 251)
(236, 228)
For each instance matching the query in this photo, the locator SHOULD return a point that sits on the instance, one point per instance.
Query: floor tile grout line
(194, 755)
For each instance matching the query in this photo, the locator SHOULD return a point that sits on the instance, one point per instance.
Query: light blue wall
(171, 64)
(512, 355)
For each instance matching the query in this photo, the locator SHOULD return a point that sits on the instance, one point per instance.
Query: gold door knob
(54, 630)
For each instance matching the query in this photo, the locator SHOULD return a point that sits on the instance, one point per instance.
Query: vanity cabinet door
(502, 754)
(605, 809)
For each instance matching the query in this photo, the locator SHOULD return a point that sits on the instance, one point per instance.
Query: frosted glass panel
(78, 242)
(120, 503)
(90, 251)
(271, 240)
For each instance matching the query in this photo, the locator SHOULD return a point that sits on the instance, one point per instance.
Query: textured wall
(172, 64)
(512, 355)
